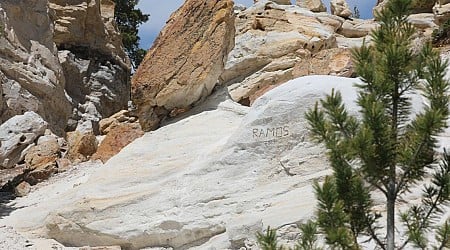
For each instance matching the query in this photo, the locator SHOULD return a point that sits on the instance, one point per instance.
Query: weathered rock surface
(89, 24)
(74, 69)
(357, 28)
(41, 160)
(312, 5)
(16, 135)
(119, 136)
(123, 116)
(30, 74)
(272, 39)
(340, 8)
(81, 145)
(235, 170)
(172, 78)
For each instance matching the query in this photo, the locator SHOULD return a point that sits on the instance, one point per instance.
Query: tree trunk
(390, 207)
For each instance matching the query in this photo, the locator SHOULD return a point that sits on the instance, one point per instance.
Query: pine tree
(128, 19)
(388, 149)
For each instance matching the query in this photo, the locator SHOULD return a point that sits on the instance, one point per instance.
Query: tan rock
(340, 8)
(22, 189)
(89, 23)
(283, 2)
(312, 5)
(105, 125)
(118, 137)
(270, 40)
(81, 145)
(31, 76)
(336, 62)
(41, 160)
(186, 60)
(357, 28)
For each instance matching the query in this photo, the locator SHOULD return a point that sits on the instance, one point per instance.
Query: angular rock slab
(18, 133)
(185, 62)
(202, 181)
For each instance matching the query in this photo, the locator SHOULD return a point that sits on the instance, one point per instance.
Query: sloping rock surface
(210, 180)
(186, 60)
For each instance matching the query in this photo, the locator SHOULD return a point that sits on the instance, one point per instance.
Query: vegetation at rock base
(128, 19)
(388, 149)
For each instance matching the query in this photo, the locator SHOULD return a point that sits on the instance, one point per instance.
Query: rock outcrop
(340, 8)
(186, 60)
(70, 72)
(312, 5)
(62, 67)
(235, 171)
(31, 76)
(274, 42)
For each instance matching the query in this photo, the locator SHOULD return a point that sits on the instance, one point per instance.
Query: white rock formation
(16, 134)
(210, 180)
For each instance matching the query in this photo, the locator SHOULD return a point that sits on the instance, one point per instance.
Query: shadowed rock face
(31, 76)
(186, 60)
(49, 49)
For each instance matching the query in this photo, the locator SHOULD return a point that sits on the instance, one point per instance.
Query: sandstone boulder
(116, 139)
(357, 28)
(186, 60)
(17, 134)
(312, 5)
(340, 8)
(123, 116)
(41, 160)
(81, 145)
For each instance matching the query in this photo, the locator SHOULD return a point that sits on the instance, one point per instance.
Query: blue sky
(160, 11)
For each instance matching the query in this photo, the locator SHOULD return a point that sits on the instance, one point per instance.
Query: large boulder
(340, 8)
(356, 28)
(118, 137)
(312, 5)
(186, 60)
(16, 135)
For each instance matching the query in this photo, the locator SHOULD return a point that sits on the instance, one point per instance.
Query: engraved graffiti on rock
(276, 132)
